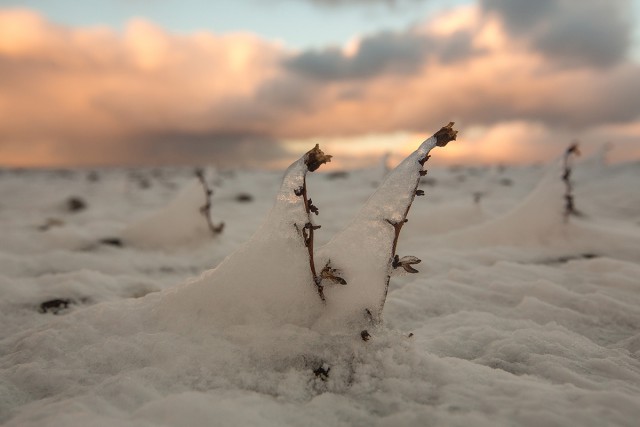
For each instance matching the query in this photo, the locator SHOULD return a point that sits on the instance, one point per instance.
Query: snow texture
(517, 318)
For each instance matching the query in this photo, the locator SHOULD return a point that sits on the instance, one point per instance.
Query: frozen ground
(517, 318)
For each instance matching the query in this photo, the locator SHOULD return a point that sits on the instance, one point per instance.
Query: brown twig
(569, 201)
(314, 158)
(206, 209)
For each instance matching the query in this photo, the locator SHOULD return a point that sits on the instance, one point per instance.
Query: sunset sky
(254, 83)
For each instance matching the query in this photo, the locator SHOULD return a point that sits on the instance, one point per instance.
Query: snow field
(517, 318)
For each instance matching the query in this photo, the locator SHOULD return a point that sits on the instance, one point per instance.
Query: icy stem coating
(363, 251)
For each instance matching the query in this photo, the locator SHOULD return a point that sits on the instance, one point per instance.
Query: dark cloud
(157, 148)
(387, 52)
(285, 92)
(224, 150)
(586, 32)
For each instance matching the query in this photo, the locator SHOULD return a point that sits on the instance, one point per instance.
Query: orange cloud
(90, 83)
(97, 96)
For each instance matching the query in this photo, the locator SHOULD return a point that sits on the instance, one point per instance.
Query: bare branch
(206, 208)
(313, 159)
(569, 206)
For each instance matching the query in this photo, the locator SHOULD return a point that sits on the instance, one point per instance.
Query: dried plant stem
(569, 206)
(206, 208)
(314, 158)
(307, 234)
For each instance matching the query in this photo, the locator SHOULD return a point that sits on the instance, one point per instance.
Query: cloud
(86, 85)
(243, 149)
(144, 95)
(156, 148)
(377, 87)
(593, 32)
(383, 53)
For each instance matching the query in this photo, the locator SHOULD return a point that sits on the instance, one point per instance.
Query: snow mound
(267, 280)
(181, 222)
(536, 220)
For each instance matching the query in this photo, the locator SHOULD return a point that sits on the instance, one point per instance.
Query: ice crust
(511, 324)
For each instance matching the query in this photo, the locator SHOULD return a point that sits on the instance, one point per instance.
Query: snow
(181, 222)
(267, 281)
(362, 251)
(518, 318)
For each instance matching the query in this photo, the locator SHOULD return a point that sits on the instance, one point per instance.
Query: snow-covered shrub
(276, 278)
(185, 220)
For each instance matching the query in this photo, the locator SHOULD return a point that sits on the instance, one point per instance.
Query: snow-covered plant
(186, 220)
(278, 278)
(365, 252)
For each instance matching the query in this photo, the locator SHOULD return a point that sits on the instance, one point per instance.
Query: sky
(255, 83)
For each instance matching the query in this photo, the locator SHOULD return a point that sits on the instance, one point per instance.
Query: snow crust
(517, 318)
